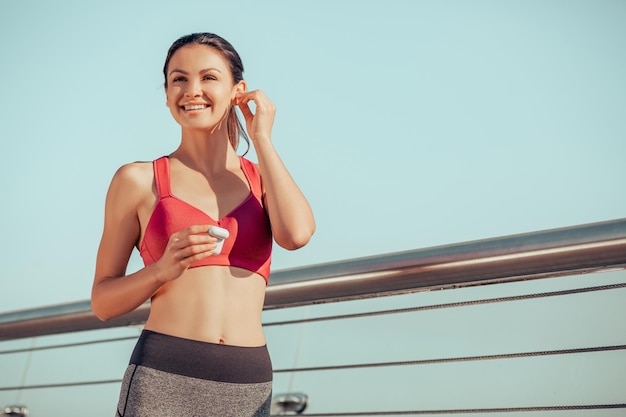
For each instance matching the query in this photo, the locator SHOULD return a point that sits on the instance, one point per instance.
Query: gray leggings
(173, 377)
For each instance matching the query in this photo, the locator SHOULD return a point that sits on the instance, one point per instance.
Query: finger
(245, 110)
(259, 99)
(196, 252)
(247, 95)
(263, 105)
(257, 96)
(196, 229)
(182, 235)
(186, 262)
(203, 239)
(182, 240)
(242, 99)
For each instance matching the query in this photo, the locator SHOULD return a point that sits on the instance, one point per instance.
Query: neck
(206, 151)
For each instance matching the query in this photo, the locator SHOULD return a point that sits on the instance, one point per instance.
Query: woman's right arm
(114, 293)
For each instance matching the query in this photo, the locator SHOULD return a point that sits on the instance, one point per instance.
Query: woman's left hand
(259, 124)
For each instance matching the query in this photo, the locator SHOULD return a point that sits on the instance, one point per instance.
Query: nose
(194, 88)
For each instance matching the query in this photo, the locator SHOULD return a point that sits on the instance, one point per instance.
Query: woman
(202, 351)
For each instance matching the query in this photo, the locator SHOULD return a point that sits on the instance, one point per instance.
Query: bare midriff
(215, 304)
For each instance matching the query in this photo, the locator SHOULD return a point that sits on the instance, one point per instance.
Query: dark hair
(233, 125)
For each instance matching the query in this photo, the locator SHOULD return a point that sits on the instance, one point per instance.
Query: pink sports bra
(250, 243)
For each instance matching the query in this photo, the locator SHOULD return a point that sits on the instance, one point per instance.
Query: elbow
(296, 241)
(99, 309)
(99, 312)
(293, 245)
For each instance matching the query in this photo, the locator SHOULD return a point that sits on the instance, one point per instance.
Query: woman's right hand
(183, 249)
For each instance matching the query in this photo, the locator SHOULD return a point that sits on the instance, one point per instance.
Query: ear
(240, 87)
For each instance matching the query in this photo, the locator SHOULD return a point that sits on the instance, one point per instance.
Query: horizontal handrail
(556, 252)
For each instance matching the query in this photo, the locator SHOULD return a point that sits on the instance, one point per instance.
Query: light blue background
(439, 121)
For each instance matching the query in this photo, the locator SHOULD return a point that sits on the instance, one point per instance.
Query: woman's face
(200, 87)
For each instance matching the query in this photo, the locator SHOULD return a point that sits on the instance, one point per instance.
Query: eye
(209, 78)
(179, 78)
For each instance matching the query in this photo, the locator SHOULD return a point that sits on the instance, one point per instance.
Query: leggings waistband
(210, 361)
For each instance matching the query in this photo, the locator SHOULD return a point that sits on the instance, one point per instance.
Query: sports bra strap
(253, 176)
(161, 168)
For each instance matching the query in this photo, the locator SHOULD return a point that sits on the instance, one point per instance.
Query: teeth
(195, 107)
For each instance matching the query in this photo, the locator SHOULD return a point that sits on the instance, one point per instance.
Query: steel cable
(452, 305)
(473, 410)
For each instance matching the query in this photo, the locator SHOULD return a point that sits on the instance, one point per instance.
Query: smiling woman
(203, 350)
(234, 71)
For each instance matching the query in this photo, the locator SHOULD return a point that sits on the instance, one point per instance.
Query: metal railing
(549, 253)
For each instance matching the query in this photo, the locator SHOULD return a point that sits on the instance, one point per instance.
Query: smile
(195, 107)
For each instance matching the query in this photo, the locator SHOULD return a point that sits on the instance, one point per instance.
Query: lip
(194, 106)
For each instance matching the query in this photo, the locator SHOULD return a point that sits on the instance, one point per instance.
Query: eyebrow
(201, 71)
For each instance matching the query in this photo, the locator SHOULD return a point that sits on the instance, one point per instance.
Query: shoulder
(131, 182)
(134, 174)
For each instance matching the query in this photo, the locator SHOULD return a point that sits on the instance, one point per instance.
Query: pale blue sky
(443, 121)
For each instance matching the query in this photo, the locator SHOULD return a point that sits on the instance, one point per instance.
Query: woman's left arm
(290, 213)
